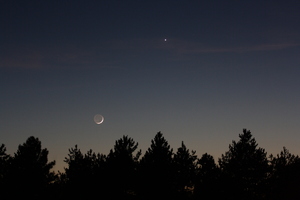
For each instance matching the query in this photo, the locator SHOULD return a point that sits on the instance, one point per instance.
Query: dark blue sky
(226, 65)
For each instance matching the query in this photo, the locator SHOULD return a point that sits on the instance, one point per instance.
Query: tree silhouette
(4, 158)
(208, 178)
(30, 170)
(84, 173)
(245, 168)
(285, 176)
(122, 167)
(243, 172)
(4, 167)
(77, 174)
(186, 166)
(157, 170)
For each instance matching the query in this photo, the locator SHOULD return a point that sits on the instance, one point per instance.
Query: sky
(198, 71)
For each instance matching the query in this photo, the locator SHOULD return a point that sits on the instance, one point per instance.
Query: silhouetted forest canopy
(244, 172)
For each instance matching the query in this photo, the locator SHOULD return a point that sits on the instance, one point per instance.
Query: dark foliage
(29, 172)
(156, 171)
(185, 163)
(4, 167)
(122, 168)
(207, 183)
(244, 169)
(85, 174)
(284, 181)
(244, 172)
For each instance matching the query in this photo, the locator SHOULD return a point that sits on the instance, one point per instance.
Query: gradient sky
(226, 65)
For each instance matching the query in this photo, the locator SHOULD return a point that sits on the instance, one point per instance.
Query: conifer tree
(245, 168)
(157, 170)
(30, 171)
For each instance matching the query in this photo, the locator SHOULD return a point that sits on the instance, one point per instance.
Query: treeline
(244, 172)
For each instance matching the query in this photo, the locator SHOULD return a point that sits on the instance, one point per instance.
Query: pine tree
(186, 167)
(157, 170)
(30, 170)
(122, 167)
(284, 182)
(245, 168)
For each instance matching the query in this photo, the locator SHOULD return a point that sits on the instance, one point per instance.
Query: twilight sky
(226, 65)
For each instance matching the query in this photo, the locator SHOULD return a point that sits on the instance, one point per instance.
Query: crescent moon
(98, 119)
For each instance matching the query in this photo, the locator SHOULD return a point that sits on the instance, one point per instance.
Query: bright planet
(98, 119)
